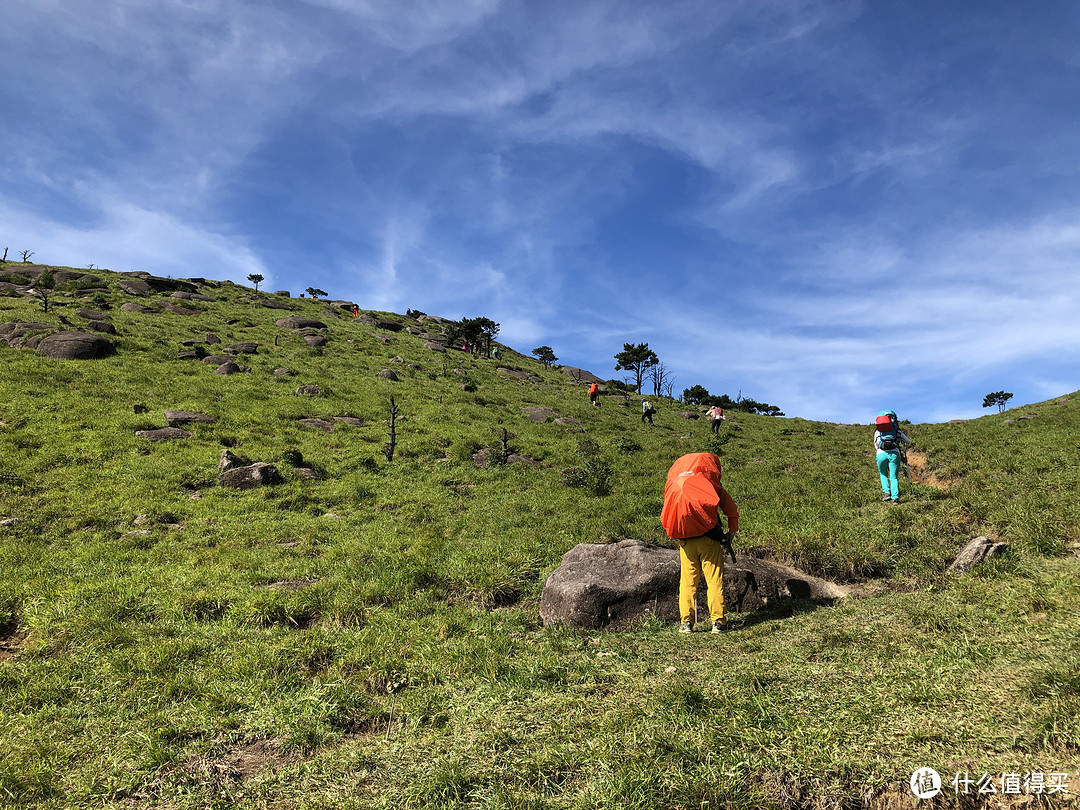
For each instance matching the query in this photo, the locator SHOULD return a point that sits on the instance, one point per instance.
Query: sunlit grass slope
(371, 638)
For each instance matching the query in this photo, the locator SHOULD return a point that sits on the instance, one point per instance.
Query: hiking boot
(886, 498)
(717, 627)
(686, 628)
(895, 501)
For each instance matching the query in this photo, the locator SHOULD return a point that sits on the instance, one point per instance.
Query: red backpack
(692, 496)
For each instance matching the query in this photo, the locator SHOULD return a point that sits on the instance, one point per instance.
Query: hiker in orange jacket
(594, 395)
(693, 499)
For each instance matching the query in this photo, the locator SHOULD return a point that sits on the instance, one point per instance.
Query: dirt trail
(917, 463)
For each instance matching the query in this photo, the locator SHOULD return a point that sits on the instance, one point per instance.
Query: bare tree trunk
(663, 380)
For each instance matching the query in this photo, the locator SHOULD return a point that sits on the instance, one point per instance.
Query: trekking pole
(907, 469)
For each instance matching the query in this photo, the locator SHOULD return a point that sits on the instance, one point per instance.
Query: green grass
(371, 639)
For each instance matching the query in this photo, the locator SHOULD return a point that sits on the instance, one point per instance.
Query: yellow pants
(700, 555)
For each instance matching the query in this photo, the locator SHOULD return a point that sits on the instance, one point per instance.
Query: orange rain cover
(692, 496)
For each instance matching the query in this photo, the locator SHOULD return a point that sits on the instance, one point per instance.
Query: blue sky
(834, 207)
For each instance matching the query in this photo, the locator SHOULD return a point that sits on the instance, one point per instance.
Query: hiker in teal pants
(887, 443)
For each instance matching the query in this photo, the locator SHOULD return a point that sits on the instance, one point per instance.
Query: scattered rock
(104, 327)
(351, 421)
(163, 434)
(187, 356)
(309, 390)
(175, 418)
(977, 550)
(75, 346)
(298, 322)
(538, 414)
(610, 585)
(230, 461)
(259, 474)
(212, 339)
(139, 309)
(521, 375)
(307, 473)
(242, 348)
(176, 310)
(270, 303)
(225, 369)
(91, 315)
(435, 347)
(318, 424)
(387, 374)
(284, 372)
(688, 414)
(315, 341)
(282, 293)
(481, 456)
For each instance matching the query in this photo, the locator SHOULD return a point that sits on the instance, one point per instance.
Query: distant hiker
(693, 500)
(716, 415)
(355, 311)
(889, 442)
(647, 411)
(594, 395)
(496, 352)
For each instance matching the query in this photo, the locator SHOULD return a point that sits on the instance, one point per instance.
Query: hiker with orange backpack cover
(594, 395)
(889, 443)
(694, 497)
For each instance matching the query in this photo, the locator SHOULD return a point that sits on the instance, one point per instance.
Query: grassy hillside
(370, 638)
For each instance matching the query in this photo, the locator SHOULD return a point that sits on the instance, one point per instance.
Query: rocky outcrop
(610, 585)
(580, 374)
(75, 346)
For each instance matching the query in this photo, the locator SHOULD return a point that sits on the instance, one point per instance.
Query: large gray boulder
(75, 346)
(134, 286)
(236, 473)
(610, 585)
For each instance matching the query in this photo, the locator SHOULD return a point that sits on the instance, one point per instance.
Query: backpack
(692, 496)
(887, 425)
